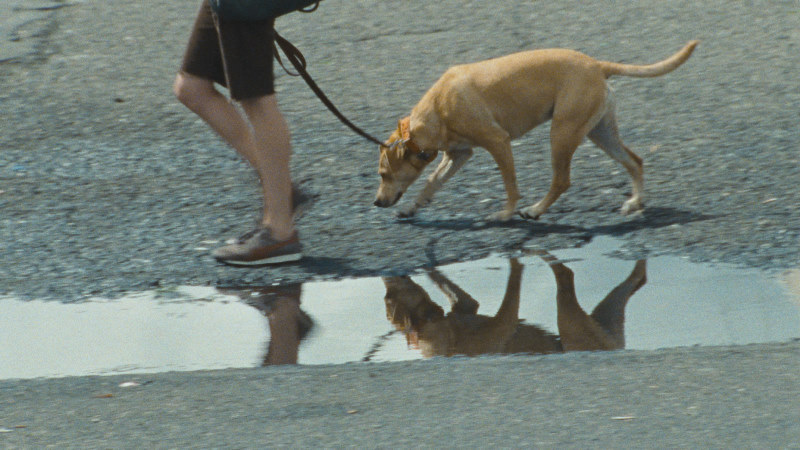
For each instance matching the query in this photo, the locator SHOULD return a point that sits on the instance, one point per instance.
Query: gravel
(108, 185)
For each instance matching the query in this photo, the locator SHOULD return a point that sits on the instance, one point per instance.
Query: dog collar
(405, 139)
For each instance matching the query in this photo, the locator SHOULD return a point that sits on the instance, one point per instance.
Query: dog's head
(408, 305)
(401, 163)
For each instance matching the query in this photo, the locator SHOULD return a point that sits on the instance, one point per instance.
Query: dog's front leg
(460, 301)
(452, 161)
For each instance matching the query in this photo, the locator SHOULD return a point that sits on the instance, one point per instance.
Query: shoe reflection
(463, 331)
(288, 324)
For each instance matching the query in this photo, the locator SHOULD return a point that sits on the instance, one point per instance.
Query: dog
(488, 104)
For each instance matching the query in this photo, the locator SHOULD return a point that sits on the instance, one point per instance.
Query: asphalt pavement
(734, 397)
(107, 185)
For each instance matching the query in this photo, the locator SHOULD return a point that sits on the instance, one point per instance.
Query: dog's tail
(651, 70)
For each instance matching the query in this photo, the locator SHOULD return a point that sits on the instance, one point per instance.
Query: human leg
(202, 98)
(262, 139)
(238, 55)
(269, 152)
(271, 157)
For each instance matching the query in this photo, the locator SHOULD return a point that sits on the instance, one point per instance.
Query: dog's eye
(423, 156)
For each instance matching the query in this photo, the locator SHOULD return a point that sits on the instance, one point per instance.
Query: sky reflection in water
(427, 314)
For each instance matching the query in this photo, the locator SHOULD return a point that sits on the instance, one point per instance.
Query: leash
(299, 62)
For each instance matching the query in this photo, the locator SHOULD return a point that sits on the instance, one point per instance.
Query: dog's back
(504, 89)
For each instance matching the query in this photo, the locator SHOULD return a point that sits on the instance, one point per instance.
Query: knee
(180, 89)
(260, 106)
(190, 90)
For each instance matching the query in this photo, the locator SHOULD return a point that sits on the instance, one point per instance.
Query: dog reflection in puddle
(463, 331)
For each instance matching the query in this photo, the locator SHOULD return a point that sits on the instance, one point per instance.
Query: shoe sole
(292, 257)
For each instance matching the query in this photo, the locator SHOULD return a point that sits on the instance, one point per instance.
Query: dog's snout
(383, 202)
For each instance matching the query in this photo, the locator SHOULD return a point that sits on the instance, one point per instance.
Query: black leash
(299, 62)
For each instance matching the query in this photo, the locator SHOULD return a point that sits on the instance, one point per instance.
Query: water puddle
(576, 299)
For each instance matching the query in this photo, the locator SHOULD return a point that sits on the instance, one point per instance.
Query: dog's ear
(404, 127)
(400, 125)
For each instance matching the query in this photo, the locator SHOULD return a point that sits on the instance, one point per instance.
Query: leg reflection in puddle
(463, 331)
(288, 324)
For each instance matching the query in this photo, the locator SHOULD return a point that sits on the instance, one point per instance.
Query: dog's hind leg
(498, 143)
(606, 136)
(452, 161)
(576, 112)
(564, 140)
(610, 313)
(578, 331)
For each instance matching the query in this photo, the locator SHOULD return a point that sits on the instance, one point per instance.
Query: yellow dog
(490, 103)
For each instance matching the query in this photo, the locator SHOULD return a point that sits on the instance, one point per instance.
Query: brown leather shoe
(258, 248)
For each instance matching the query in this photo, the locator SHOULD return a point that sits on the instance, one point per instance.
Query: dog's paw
(529, 213)
(501, 216)
(632, 206)
(405, 213)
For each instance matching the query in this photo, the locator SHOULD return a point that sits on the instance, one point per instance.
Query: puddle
(402, 318)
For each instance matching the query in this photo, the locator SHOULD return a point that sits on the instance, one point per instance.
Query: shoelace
(243, 238)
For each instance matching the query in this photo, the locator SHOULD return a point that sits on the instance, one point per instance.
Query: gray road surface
(743, 397)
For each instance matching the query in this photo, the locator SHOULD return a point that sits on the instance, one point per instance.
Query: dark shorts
(247, 49)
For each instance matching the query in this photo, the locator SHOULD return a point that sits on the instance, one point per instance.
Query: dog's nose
(382, 202)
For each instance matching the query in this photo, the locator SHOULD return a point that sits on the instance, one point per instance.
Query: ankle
(281, 233)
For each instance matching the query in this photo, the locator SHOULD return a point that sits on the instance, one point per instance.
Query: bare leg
(284, 330)
(263, 142)
(203, 99)
(272, 155)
